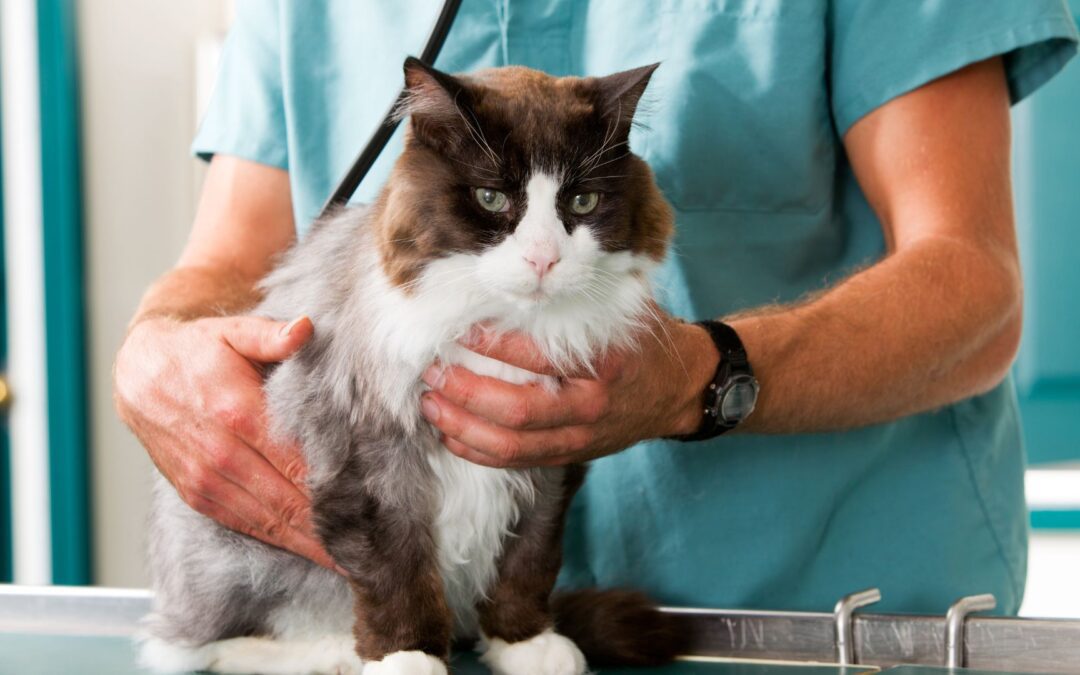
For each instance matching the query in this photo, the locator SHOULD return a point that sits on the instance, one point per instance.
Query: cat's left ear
(621, 92)
(434, 100)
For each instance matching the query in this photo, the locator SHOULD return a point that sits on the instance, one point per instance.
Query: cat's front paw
(406, 663)
(545, 654)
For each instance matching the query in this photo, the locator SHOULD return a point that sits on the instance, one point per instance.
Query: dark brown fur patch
(654, 221)
(517, 608)
(494, 129)
(611, 627)
(389, 555)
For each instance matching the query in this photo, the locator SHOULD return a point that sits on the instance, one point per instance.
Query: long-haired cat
(516, 204)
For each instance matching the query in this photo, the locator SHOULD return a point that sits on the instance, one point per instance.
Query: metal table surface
(37, 654)
(88, 631)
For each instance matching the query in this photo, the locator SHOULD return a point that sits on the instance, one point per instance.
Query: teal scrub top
(744, 121)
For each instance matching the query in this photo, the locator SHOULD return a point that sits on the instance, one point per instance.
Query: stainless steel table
(87, 631)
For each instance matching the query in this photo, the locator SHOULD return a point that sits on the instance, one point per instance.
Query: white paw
(545, 654)
(406, 663)
(165, 657)
(334, 655)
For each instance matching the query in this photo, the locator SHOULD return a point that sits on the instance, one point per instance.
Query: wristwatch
(731, 396)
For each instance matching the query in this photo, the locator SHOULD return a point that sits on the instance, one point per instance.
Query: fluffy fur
(433, 546)
(545, 654)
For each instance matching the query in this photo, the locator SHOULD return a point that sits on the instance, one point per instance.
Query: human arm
(935, 321)
(188, 376)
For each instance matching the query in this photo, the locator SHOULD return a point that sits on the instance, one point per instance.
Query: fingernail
(434, 377)
(430, 408)
(288, 328)
(341, 570)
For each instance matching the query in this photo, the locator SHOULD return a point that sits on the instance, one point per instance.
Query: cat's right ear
(434, 101)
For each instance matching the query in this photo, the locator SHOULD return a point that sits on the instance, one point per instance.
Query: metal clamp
(845, 632)
(955, 621)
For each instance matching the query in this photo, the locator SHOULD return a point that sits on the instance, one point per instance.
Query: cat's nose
(541, 261)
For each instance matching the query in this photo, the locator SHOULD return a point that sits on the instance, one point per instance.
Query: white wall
(1053, 589)
(137, 64)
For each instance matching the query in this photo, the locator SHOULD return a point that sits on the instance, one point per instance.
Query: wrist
(189, 293)
(701, 359)
(142, 322)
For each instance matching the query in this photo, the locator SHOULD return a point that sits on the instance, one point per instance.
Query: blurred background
(100, 100)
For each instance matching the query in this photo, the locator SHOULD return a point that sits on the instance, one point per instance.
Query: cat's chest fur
(477, 506)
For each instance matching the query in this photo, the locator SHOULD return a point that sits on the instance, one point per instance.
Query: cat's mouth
(535, 295)
(542, 292)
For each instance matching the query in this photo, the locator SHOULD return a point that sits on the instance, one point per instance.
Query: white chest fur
(478, 506)
(601, 305)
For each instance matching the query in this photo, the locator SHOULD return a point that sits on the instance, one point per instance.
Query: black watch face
(739, 399)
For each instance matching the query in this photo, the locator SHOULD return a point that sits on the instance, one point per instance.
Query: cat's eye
(584, 202)
(492, 200)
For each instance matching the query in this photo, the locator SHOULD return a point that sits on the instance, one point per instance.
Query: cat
(517, 205)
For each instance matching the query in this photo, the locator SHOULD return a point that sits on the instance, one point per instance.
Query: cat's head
(524, 182)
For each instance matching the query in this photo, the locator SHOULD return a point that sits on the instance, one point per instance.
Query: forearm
(192, 292)
(929, 325)
(243, 223)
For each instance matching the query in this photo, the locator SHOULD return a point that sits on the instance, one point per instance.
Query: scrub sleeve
(881, 50)
(246, 114)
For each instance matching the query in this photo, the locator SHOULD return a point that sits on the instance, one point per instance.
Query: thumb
(265, 340)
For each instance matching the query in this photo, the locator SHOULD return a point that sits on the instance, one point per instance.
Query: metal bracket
(955, 621)
(845, 632)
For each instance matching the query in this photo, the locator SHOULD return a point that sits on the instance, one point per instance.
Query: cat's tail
(618, 627)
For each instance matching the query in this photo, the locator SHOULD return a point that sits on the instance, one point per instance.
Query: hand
(653, 391)
(192, 393)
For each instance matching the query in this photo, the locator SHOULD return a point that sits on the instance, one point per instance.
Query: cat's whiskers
(487, 146)
(613, 159)
(609, 135)
(438, 282)
(590, 162)
(476, 133)
(402, 240)
(493, 174)
(670, 349)
(426, 282)
(614, 175)
(608, 275)
(666, 342)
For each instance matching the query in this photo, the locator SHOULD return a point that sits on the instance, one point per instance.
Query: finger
(245, 416)
(263, 340)
(476, 457)
(528, 406)
(289, 461)
(237, 510)
(514, 348)
(509, 447)
(247, 468)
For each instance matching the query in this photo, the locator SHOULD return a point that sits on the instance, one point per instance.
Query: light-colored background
(145, 72)
(141, 91)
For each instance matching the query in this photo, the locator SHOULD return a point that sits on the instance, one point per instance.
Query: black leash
(375, 145)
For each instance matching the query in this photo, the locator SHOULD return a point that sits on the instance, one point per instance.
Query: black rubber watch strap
(733, 363)
(727, 342)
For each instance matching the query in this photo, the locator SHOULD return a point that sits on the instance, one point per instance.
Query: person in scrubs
(840, 175)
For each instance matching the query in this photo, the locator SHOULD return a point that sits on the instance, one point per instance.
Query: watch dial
(738, 401)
